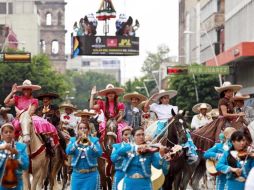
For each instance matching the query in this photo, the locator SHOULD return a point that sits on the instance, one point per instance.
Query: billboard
(105, 46)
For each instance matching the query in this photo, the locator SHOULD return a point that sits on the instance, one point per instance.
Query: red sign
(177, 70)
(112, 42)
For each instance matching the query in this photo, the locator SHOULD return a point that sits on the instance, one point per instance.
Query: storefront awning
(241, 52)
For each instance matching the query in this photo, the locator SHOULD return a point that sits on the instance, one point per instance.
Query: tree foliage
(186, 97)
(39, 71)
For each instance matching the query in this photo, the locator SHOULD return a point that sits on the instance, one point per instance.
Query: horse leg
(177, 180)
(102, 171)
(26, 180)
(168, 183)
(198, 174)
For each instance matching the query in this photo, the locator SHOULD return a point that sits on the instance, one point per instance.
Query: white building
(99, 65)
(22, 17)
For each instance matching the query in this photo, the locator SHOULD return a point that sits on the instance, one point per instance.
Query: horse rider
(48, 110)
(112, 108)
(85, 118)
(68, 120)
(138, 161)
(162, 108)
(5, 117)
(84, 150)
(132, 113)
(240, 107)
(13, 161)
(216, 153)
(26, 104)
(233, 164)
(201, 118)
(117, 159)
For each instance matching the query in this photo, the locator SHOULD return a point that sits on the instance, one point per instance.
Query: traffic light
(16, 57)
(177, 70)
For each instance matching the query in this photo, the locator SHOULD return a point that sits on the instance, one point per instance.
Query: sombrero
(240, 96)
(199, 106)
(161, 93)
(28, 84)
(50, 95)
(129, 96)
(110, 88)
(67, 105)
(126, 128)
(214, 113)
(4, 109)
(228, 132)
(85, 112)
(228, 86)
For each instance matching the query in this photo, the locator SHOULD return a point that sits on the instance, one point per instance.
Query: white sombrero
(200, 106)
(4, 109)
(161, 93)
(214, 113)
(228, 86)
(110, 88)
(28, 84)
(240, 96)
(85, 112)
(228, 132)
(67, 105)
(129, 96)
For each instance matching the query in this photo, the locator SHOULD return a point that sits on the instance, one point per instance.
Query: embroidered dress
(85, 175)
(40, 125)
(23, 160)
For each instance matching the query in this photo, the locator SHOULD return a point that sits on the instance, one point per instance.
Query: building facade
(21, 19)
(99, 65)
(52, 32)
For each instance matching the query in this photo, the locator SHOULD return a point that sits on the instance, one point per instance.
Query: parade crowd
(125, 144)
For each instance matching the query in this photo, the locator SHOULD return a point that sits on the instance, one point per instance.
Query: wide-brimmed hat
(67, 105)
(228, 132)
(228, 86)
(50, 95)
(4, 109)
(28, 84)
(214, 113)
(110, 88)
(129, 96)
(240, 96)
(126, 128)
(161, 93)
(85, 112)
(199, 106)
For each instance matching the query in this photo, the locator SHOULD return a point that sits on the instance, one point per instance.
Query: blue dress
(214, 153)
(85, 175)
(23, 160)
(137, 167)
(231, 182)
(118, 163)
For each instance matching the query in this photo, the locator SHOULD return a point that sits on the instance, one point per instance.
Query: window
(55, 47)
(59, 17)
(85, 63)
(48, 19)
(43, 46)
(3, 8)
(10, 8)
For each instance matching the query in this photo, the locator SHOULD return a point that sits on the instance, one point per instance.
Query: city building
(239, 44)
(20, 25)
(99, 65)
(52, 33)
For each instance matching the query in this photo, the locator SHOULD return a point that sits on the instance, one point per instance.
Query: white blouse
(163, 111)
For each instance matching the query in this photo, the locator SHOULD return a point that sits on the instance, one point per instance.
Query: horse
(105, 165)
(176, 134)
(39, 161)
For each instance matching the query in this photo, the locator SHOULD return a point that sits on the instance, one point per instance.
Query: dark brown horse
(105, 165)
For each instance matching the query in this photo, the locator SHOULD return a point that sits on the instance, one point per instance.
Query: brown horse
(105, 166)
(39, 161)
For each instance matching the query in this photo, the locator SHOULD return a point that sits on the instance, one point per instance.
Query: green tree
(39, 71)
(83, 83)
(186, 97)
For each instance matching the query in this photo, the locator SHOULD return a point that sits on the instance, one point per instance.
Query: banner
(105, 46)
(223, 70)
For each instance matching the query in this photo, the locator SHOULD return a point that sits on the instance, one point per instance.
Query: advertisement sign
(223, 70)
(105, 46)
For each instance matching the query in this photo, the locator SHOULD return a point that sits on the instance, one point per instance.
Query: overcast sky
(158, 25)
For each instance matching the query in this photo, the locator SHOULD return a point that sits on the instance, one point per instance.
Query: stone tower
(52, 33)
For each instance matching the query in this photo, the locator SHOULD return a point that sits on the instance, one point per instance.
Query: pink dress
(41, 126)
(120, 125)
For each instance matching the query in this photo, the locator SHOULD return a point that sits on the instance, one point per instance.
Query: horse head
(177, 133)
(111, 135)
(26, 125)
